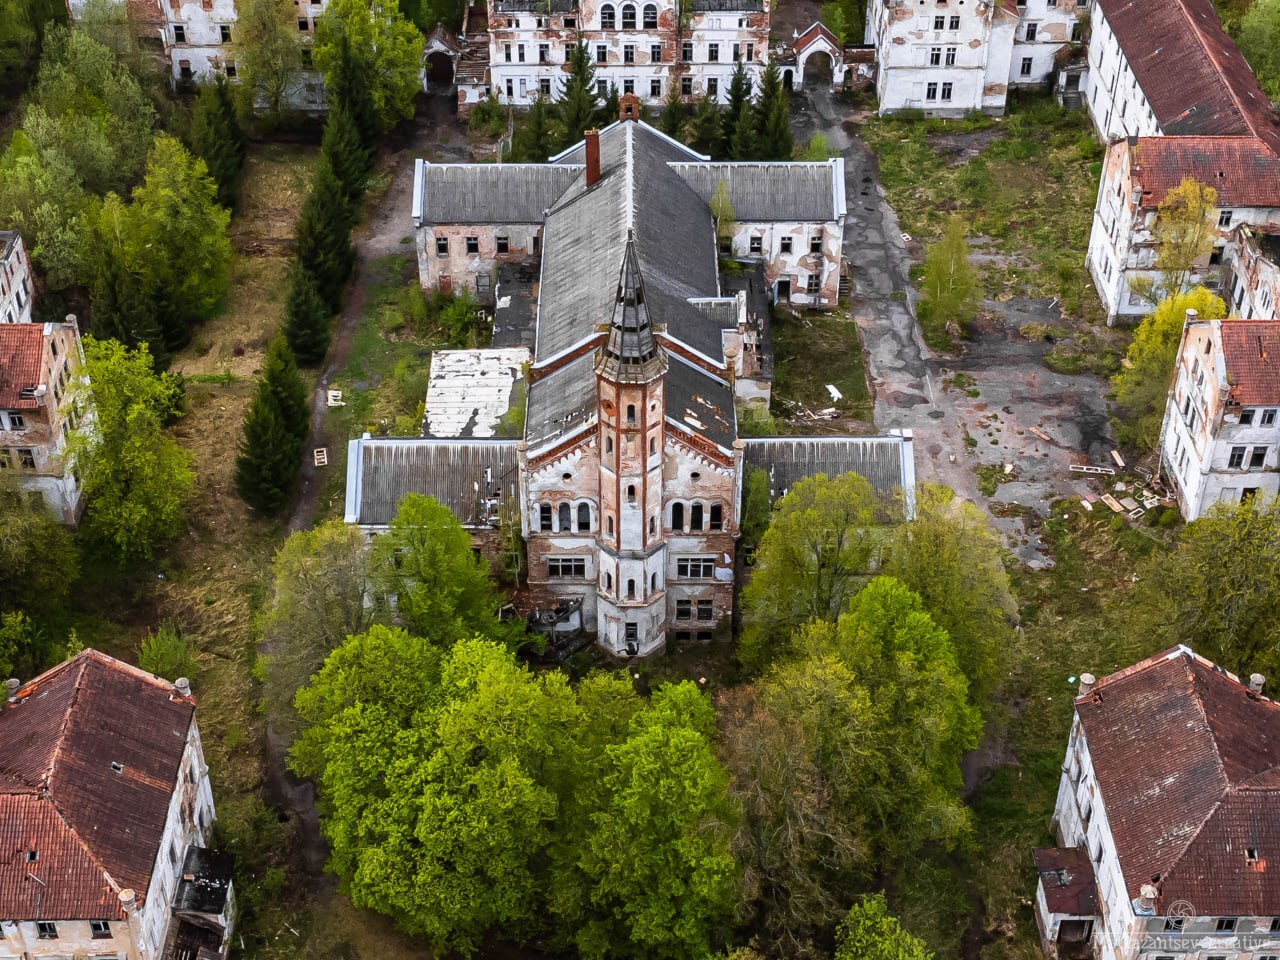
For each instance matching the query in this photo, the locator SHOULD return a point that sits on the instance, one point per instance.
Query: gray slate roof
(771, 191)
(585, 237)
(492, 193)
(887, 463)
(700, 403)
(470, 477)
(729, 6)
(560, 403)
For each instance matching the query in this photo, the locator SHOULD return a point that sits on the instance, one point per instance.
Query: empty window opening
(631, 493)
(717, 516)
(677, 516)
(628, 17)
(650, 16)
(631, 414)
(584, 517)
(695, 517)
(607, 17)
(544, 516)
(631, 589)
(564, 516)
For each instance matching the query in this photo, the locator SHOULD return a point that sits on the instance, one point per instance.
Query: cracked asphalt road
(988, 421)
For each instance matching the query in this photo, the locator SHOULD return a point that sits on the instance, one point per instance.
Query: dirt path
(986, 415)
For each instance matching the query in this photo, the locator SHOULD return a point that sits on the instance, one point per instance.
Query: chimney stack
(1256, 680)
(129, 904)
(1192, 316)
(183, 687)
(593, 157)
(1087, 680)
(11, 687)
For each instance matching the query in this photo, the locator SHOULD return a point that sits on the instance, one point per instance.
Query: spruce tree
(306, 318)
(578, 98)
(706, 127)
(217, 138)
(348, 85)
(323, 240)
(349, 158)
(609, 110)
(773, 117)
(737, 111)
(122, 307)
(534, 140)
(275, 429)
(674, 112)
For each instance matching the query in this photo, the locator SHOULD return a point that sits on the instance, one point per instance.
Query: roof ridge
(1205, 47)
(88, 850)
(61, 737)
(1217, 805)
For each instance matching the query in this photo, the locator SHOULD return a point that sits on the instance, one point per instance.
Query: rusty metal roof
(89, 760)
(21, 367)
(1066, 874)
(1187, 760)
(1251, 349)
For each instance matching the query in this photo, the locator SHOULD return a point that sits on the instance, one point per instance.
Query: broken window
(544, 517)
(628, 86)
(544, 53)
(511, 90)
(184, 69)
(815, 242)
(757, 244)
(26, 458)
(473, 244)
(1246, 417)
(224, 33)
(713, 87)
(686, 86)
(564, 517)
(306, 58)
(813, 285)
(571, 23)
(717, 517)
(607, 21)
(684, 610)
(501, 242)
(650, 16)
(1031, 32)
(935, 56)
(695, 517)
(1236, 459)
(677, 516)
(230, 70)
(1269, 418)
(602, 54)
(628, 16)
(1077, 29)
(784, 245)
(100, 929)
(1025, 69)
(695, 568)
(180, 33)
(303, 25)
(705, 610)
(1258, 458)
(47, 930)
(17, 421)
(1224, 219)
(655, 88)
(1226, 924)
(563, 568)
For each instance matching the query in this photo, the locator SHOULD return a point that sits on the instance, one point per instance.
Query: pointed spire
(632, 352)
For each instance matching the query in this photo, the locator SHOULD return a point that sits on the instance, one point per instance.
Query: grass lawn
(1024, 184)
(812, 350)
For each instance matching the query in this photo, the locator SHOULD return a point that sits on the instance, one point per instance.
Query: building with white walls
(1168, 816)
(16, 290)
(106, 810)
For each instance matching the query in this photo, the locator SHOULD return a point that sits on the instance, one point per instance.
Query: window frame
(566, 568)
(695, 568)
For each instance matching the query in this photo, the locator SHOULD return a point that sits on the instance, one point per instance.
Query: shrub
(168, 653)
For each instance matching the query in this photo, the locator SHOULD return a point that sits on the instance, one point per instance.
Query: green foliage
(1184, 233)
(323, 238)
(23, 24)
(306, 317)
(757, 505)
(577, 102)
(17, 635)
(534, 140)
(350, 159)
(458, 319)
(347, 85)
(123, 306)
(41, 196)
(722, 213)
(773, 117)
(1218, 590)
(136, 480)
(869, 932)
(674, 112)
(817, 552)
(168, 653)
(217, 138)
(817, 150)
(1259, 39)
(488, 118)
(1142, 388)
(268, 55)
(705, 128)
(739, 142)
(949, 288)
(385, 45)
(34, 542)
(425, 14)
(275, 429)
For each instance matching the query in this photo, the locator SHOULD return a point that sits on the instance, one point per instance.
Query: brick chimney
(1087, 680)
(1256, 680)
(629, 107)
(593, 156)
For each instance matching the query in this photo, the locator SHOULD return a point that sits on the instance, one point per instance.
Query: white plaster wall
(16, 291)
(1115, 102)
(799, 264)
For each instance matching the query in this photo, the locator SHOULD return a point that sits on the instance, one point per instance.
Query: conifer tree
(609, 111)
(578, 99)
(306, 318)
(347, 155)
(323, 241)
(348, 84)
(773, 117)
(674, 112)
(534, 140)
(218, 139)
(274, 431)
(737, 120)
(706, 127)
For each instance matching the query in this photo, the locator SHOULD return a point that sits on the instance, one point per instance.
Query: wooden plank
(1115, 455)
(1041, 434)
(1112, 502)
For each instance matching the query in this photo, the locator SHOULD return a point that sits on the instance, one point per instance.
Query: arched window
(631, 589)
(631, 407)
(608, 581)
(653, 446)
(631, 493)
(565, 512)
(628, 16)
(544, 516)
(653, 582)
(653, 526)
(677, 516)
(608, 444)
(584, 517)
(606, 17)
(717, 517)
(695, 517)
(650, 16)
(609, 526)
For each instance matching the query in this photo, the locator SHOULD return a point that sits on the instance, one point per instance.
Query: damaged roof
(471, 477)
(467, 193)
(90, 756)
(772, 191)
(1243, 170)
(1187, 760)
(1066, 874)
(561, 403)
(1251, 349)
(21, 364)
(699, 403)
(887, 462)
(470, 391)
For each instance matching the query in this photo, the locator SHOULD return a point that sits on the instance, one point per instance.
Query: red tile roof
(811, 35)
(21, 353)
(1192, 74)
(94, 831)
(1187, 760)
(1243, 170)
(1251, 349)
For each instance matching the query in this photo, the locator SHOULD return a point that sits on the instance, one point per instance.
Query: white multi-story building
(1168, 814)
(951, 58)
(1218, 443)
(15, 279)
(635, 46)
(107, 811)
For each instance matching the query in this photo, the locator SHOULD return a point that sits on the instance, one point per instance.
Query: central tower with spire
(631, 370)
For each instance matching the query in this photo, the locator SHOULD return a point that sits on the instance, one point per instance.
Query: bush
(167, 653)
(488, 119)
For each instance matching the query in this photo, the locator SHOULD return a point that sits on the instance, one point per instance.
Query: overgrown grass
(1027, 193)
(815, 349)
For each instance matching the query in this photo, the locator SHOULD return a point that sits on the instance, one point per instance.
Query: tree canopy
(1184, 232)
(386, 46)
(1259, 39)
(34, 541)
(268, 55)
(949, 287)
(869, 932)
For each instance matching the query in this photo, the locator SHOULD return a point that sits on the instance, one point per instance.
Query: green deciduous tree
(33, 541)
(773, 117)
(870, 932)
(1184, 232)
(268, 55)
(322, 241)
(274, 431)
(136, 479)
(387, 47)
(23, 24)
(42, 197)
(815, 555)
(306, 317)
(1142, 388)
(217, 138)
(757, 506)
(1259, 39)
(123, 303)
(168, 653)
(949, 287)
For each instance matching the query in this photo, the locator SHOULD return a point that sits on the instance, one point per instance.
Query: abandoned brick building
(634, 344)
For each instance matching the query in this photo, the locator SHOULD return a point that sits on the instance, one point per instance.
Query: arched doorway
(819, 69)
(787, 82)
(439, 70)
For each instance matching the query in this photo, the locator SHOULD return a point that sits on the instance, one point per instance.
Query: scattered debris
(1112, 502)
(321, 455)
(334, 399)
(1115, 455)
(836, 395)
(1041, 434)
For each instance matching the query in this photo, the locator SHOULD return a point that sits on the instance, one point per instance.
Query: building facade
(39, 366)
(16, 289)
(111, 813)
(640, 47)
(1166, 813)
(953, 58)
(1218, 442)
(624, 483)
